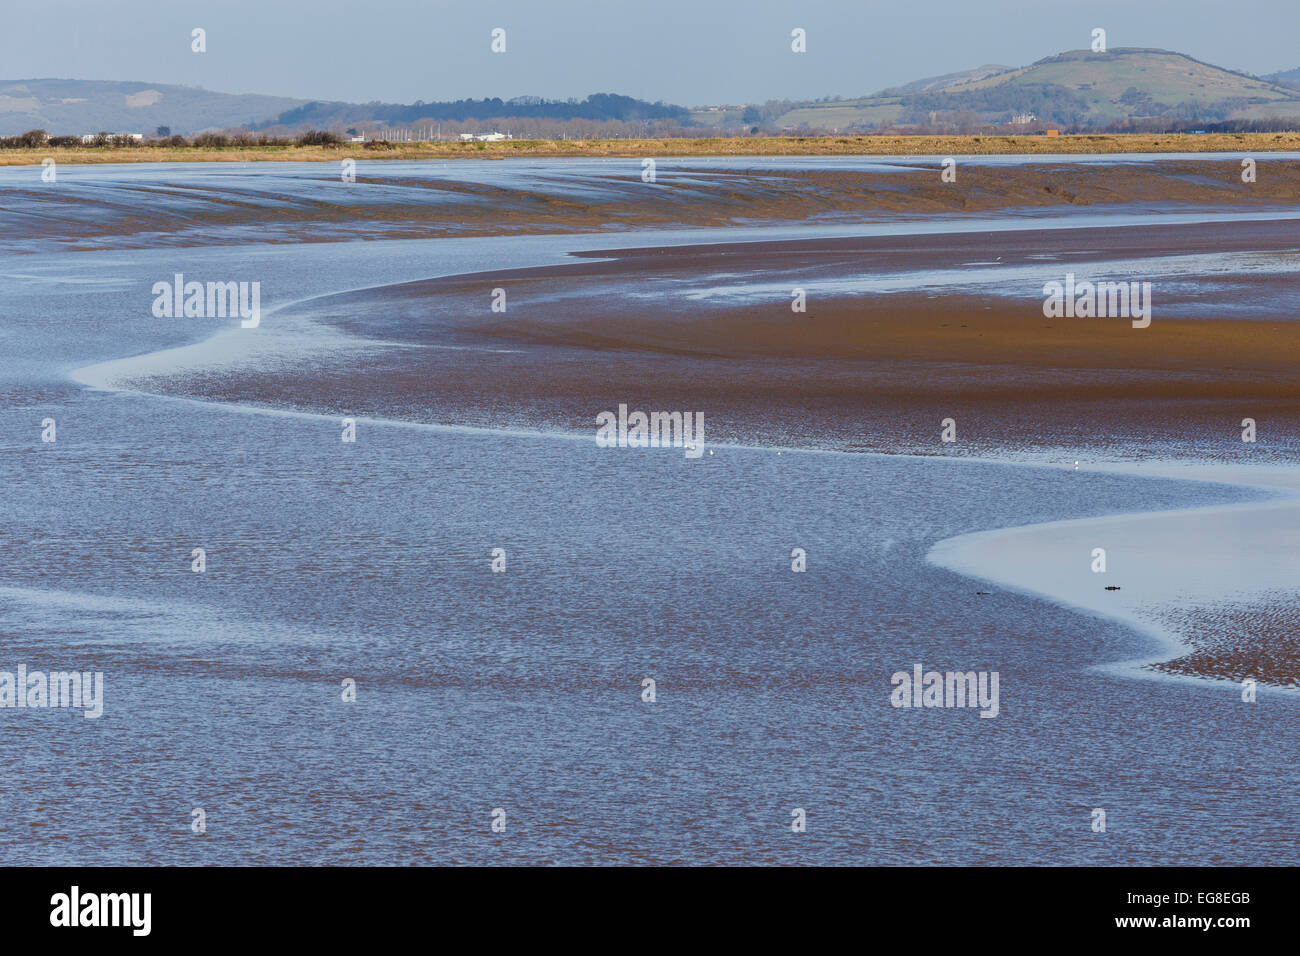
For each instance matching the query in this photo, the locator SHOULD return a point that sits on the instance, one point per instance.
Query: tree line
(596, 107)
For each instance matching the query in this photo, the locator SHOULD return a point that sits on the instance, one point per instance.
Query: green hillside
(1127, 82)
(1078, 87)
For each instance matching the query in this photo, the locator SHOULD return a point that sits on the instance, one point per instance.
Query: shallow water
(522, 690)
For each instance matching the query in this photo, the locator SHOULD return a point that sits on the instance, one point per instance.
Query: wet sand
(156, 205)
(870, 372)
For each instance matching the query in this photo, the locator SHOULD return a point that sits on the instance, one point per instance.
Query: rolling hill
(1074, 88)
(73, 107)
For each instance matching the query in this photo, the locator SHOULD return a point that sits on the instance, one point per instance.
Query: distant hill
(1126, 83)
(73, 107)
(948, 79)
(1289, 77)
(1075, 88)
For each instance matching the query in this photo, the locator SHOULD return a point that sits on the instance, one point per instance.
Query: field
(737, 146)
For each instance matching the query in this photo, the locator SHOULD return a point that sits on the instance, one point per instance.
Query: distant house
(357, 139)
(89, 138)
(1023, 119)
(484, 137)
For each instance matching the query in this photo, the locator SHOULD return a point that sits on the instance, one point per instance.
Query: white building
(89, 138)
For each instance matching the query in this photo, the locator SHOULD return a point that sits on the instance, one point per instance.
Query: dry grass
(746, 146)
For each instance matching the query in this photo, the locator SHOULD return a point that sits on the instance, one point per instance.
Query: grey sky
(684, 51)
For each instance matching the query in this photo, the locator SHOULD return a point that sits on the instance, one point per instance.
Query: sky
(689, 52)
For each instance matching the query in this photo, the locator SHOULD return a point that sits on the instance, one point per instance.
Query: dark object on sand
(1112, 587)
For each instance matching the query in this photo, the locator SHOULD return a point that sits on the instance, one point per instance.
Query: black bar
(907, 906)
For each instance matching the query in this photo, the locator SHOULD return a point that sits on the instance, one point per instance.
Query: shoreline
(970, 145)
(976, 556)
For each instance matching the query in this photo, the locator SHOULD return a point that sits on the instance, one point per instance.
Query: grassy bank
(1244, 143)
